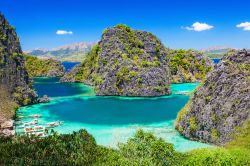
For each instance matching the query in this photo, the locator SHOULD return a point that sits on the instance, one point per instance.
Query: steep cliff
(125, 62)
(221, 104)
(45, 67)
(14, 81)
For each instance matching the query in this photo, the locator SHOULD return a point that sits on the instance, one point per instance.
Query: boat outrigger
(54, 124)
(30, 116)
(31, 128)
(34, 122)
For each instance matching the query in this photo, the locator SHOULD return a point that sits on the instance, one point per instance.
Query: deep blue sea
(216, 60)
(110, 119)
(69, 65)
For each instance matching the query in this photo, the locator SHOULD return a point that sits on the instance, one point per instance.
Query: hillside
(73, 52)
(216, 52)
(221, 105)
(15, 86)
(43, 67)
(189, 66)
(125, 62)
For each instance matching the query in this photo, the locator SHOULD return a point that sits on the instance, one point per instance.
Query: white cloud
(244, 25)
(63, 32)
(197, 26)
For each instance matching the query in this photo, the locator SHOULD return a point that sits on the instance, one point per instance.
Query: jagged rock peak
(126, 62)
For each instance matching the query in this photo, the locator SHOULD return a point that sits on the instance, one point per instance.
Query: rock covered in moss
(221, 104)
(125, 62)
(189, 66)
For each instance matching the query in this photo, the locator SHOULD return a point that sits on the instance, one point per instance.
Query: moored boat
(54, 124)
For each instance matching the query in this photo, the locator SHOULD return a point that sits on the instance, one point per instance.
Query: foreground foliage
(217, 157)
(80, 148)
(77, 148)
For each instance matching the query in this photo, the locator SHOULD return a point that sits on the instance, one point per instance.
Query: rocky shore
(7, 128)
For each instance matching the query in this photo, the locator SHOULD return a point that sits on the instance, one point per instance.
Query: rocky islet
(221, 105)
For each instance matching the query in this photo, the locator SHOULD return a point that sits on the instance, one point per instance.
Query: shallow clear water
(111, 119)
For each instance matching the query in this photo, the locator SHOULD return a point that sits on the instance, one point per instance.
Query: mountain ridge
(74, 52)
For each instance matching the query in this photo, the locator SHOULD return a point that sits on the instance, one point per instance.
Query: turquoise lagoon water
(110, 119)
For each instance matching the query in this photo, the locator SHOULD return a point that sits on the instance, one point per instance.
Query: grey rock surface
(130, 63)
(221, 104)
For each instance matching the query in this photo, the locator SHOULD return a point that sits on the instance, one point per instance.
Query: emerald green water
(110, 119)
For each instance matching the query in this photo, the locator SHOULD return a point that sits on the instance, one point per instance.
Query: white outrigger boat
(40, 134)
(39, 127)
(36, 116)
(30, 116)
(34, 129)
(54, 124)
(24, 124)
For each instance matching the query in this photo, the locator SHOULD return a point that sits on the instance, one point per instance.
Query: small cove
(110, 119)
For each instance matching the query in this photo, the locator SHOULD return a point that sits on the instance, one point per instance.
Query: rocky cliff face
(14, 80)
(221, 104)
(126, 62)
(189, 66)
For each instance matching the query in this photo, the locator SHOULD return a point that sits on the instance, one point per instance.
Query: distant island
(216, 52)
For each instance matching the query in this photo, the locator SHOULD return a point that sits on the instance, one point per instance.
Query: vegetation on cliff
(15, 86)
(7, 106)
(189, 66)
(43, 67)
(125, 62)
(7, 110)
(221, 105)
(13, 74)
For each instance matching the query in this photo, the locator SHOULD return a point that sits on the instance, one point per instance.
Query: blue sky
(37, 21)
